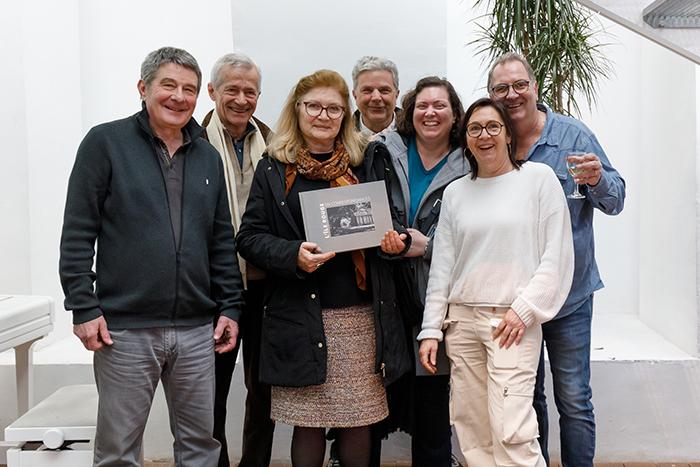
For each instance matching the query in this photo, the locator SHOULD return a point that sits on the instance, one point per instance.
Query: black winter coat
(293, 344)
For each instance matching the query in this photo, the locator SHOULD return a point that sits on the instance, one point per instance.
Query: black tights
(309, 446)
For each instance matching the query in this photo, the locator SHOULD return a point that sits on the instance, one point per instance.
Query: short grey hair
(156, 59)
(509, 57)
(235, 60)
(372, 63)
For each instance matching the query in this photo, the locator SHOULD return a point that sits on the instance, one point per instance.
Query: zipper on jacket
(164, 151)
(379, 338)
(179, 242)
(158, 144)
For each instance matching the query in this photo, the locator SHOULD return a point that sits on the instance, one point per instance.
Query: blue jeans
(568, 342)
(127, 374)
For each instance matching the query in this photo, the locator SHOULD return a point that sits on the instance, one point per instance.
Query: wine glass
(573, 169)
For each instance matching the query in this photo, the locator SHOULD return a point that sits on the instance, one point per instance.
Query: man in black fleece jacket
(151, 193)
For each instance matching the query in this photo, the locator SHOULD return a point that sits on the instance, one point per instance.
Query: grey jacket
(457, 166)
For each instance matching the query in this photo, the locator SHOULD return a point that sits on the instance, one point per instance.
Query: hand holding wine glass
(573, 169)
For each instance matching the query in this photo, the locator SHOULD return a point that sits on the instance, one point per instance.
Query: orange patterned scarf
(337, 171)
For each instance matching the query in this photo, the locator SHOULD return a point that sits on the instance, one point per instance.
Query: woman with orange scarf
(332, 334)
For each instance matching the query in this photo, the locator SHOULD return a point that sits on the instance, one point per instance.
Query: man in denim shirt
(546, 137)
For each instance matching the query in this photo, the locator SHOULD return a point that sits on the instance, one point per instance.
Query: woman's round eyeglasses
(314, 109)
(493, 128)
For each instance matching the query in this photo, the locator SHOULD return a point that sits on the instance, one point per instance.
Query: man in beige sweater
(241, 139)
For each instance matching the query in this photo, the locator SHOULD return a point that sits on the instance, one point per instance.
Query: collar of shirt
(248, 129)
(367, 132)
(547, 137)
(238, 145)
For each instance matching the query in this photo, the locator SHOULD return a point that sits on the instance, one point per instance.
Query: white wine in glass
(573, 169)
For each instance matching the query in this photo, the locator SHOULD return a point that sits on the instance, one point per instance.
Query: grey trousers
(127, 374)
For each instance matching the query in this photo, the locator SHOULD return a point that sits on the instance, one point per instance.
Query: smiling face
(236, 98)
(375, 97)
(491, 152)
(170, 98)
(433, 117)
(521, 107)
(319, 132)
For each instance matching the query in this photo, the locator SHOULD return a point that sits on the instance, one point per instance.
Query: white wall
(668, 274)
(112, 50)
(697, 194)
(289, 40)
(616, 121)
(465, 70)
(52, 83)
(14, 188)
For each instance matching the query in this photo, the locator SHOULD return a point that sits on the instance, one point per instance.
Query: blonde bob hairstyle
(288, 138)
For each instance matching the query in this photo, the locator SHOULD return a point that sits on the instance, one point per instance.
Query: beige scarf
(221, 140)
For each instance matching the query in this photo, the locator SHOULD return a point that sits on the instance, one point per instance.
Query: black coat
(293, 345)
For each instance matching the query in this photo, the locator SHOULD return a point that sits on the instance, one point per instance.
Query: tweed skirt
(353, 394)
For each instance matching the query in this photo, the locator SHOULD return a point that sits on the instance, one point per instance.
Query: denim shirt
(560, 135)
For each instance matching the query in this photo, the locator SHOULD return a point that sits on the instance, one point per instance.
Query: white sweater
(504, 242)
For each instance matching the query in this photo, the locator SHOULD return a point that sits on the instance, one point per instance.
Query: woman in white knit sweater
(503, 262)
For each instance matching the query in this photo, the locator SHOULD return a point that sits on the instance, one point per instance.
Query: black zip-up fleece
(117, 197)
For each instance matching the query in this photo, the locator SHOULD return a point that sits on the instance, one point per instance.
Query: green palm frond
(560, 40)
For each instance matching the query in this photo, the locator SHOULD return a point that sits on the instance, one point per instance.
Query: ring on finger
(319, 264)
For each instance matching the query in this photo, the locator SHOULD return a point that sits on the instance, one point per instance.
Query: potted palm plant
(559, 38)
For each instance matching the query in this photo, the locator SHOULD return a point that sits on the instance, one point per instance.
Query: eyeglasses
(519, 87)
(314, 109)
(493, 128)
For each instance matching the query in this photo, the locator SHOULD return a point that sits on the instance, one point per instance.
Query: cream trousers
(491, 397)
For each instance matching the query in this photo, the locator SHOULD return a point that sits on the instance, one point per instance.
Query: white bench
(58, 432)
(24, 320)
